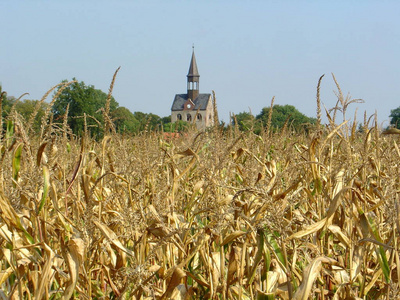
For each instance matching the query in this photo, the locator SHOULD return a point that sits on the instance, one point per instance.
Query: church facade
(193, 107)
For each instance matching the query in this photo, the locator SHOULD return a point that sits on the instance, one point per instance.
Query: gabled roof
(201, 101)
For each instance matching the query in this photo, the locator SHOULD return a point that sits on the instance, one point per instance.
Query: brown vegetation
(208, 215)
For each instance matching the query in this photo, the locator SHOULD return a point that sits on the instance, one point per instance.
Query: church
(193, 107)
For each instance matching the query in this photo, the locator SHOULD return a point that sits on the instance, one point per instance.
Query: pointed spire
(193, 71)
(193, 78)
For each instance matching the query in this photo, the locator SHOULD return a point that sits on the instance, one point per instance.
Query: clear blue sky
(247, 51)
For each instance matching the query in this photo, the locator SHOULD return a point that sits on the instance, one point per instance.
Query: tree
(165, 120)
(245, 121)
(124, 120)
(395, 117)
(26, 107)
(82, 99)
(147, 121)
(283, 113)
(6, 103)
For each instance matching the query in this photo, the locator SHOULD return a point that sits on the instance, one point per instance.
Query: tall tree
(82, 99)
(147, 121)
(283, 113)
(395, 117)
(124, 120)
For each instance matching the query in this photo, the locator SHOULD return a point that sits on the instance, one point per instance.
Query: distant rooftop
(180, 99)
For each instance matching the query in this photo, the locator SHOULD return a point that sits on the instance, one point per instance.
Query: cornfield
(208, 215)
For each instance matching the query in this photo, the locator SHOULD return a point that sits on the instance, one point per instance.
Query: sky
(246, 51)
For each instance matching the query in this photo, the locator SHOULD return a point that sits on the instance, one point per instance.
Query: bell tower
(192, 106)
(193, 79)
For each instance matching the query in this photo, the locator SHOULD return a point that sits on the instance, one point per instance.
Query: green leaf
(383, 261)
(9, 131)
(272, 241)
(16, 162)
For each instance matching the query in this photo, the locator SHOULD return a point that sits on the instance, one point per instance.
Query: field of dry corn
(210, 215)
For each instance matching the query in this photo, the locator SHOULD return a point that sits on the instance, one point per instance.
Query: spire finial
(193, 46)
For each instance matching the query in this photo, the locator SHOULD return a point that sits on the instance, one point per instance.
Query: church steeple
(193, 78)
(192, 106)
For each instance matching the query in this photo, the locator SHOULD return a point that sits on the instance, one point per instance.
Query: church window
(189, 117)
(199, 117)
(179, 117)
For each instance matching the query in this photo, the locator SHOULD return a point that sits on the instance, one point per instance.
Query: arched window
(199, 117)
(179, 117)
(189, 117)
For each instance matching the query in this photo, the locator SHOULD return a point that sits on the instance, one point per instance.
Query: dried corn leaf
(340, 235)
(182, 292)
(341, 276)
(325, 221)
(272, 281)
(77, 248)
(108, 233)
(40, 154)
(233, 264)
(175, 280)
(239, 292)
(187, 152)
(46, 185)
(391, 131)
(310, 274)
(46, 272)
(5, 274)
(232, 236)
(214, 263)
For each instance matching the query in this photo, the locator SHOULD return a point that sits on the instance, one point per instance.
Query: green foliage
(26, 107)
(395, 117)
(283, 113)
(124, 120)
(16, 163)
(82, 99)
(128, 122)
(165, 120)
(179, 126)
(7, 103)
(147, 121)
(246, 121)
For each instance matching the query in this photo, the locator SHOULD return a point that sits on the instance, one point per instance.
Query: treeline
(82, 107)
(281, 116)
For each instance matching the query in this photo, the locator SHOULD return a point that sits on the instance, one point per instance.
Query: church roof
(201, 101)
(193, 71)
